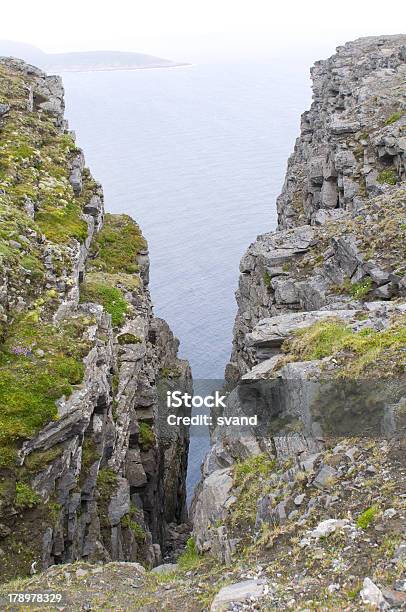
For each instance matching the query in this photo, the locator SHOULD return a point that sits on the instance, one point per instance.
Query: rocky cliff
(306, 510)
(319, 355)
(341, 230)
(84, 470)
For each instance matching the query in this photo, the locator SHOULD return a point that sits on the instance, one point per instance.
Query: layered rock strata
(320, 299)
(86, 471)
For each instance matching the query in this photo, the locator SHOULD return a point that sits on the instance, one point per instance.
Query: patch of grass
(366, 518)
(360, 290)
(60, 224)
(128, 339)
(117, 246)
(393, 118)
(362, 351)
(317, 341)
(169, 373)
(190, 558)
(110, 297)
(257, 465)
(146, 437)
(90, 454)
(26, 497)
(267, 279)
(129, 523)
(39, 363)
(388, 177)
(251, 477)
(106, 483)
(53, 509)
(38, 460)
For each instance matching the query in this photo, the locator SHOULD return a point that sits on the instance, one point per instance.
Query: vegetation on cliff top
(34, 165)
(117, 246)
(113, 266)
(356, 354)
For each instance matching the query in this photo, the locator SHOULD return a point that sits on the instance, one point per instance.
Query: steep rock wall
(320, 321)
(341, 209)
(86, 471)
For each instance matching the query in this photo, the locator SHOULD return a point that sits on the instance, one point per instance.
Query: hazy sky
(197, 29)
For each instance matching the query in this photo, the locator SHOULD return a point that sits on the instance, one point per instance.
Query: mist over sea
(197, 156)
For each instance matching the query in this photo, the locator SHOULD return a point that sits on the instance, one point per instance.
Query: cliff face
(341, 233)
(85, 470)
(319, 356)
(305, 511)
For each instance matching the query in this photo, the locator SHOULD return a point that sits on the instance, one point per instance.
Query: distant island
(83, 61)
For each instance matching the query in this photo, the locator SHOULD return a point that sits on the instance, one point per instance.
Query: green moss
(366, 518)
(106, 483)
(26, 497)
(117, 246)
(190, 558)
(361, 352)
(60, 224)
(389, 177)
(146, 437)
(128, 523)
(251, 478)
(128, 339)
(38, 460)
(267, 279)
(39, 363)
(393, 118)
(110, 297)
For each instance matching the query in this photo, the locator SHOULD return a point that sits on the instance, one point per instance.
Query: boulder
(238, 593)
(372, 595)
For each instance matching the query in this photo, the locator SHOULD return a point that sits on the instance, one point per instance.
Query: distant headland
(84, 61)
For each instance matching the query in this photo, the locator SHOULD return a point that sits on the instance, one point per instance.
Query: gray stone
(239, 592)
(372, 595)
(4, 108)
(165, 568)
(325, 477)
(329, 194)
(339, 126)
(298, 500)
(325, 528)
(75, 180)
(400, 553)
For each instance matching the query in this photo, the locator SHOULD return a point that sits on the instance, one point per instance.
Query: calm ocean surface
(197, 156)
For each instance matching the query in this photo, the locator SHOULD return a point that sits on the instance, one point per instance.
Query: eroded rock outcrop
(341, 212)
(86, 471)
(319, 348)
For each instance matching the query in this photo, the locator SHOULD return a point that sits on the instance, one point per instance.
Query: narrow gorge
(305, 511)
